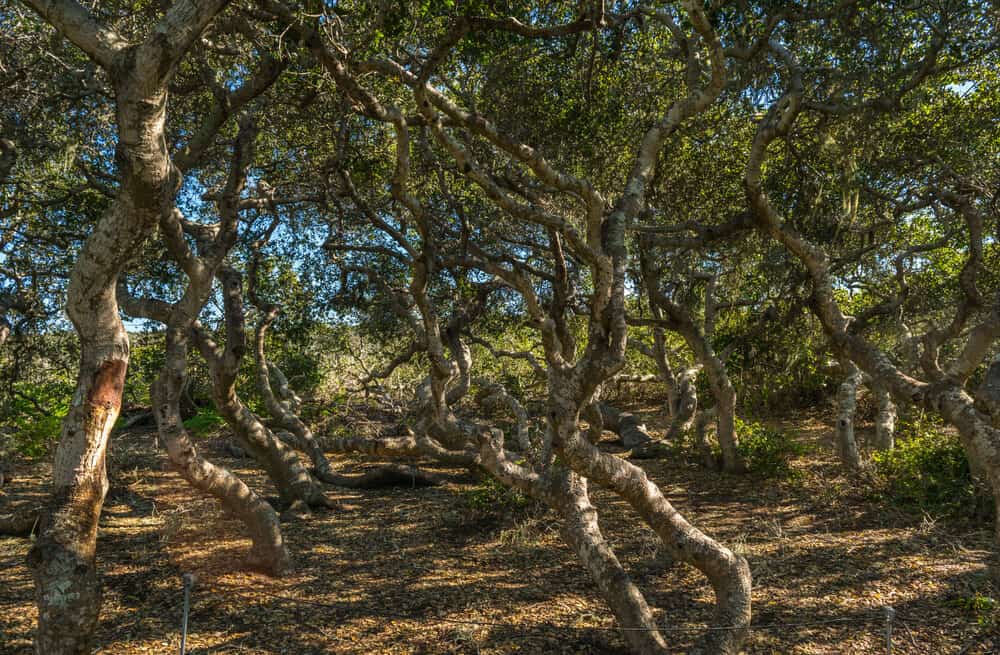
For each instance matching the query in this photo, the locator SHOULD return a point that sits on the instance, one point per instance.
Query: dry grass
(408, 571)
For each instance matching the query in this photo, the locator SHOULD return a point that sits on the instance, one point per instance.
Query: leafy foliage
(36, 415)
(767, 451)
(927, 471)
(492, 498)
(205, 421)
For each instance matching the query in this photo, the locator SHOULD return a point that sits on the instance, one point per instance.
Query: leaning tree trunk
(281, 463)
(300, 437)
(268, 552)
(566, 491)
(63, 558)
(582, 533)
(728, 573)
(847, 446)
(626, 425)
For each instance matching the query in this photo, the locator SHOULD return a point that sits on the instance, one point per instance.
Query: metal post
(889, 614)
(188, 583)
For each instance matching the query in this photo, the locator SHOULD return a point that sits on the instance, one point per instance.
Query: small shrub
(205, 421)
(767, 452)
(983, 608)
(492, 498)
(36, 416)
(927, 471)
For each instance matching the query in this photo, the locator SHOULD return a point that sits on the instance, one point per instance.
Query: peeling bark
(683, 405)
(63, 558)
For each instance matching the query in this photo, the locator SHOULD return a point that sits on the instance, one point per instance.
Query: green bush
(927, 471)
(36, 414)
(983, 608)
(205, 421)
(767, 452)
(492, 498)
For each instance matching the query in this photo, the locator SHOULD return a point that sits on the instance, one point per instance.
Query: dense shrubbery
(767, 451)
(927, 471)
(35, 415)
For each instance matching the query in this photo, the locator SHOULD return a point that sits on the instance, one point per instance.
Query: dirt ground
(421, 571)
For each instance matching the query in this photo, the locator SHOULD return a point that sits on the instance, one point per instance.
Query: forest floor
(425, 571)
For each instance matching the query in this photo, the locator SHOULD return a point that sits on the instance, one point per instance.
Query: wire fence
(885, 620)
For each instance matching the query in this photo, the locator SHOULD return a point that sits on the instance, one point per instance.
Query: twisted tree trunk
(268, 552)
(63, 557)
(281, 463)
(728, 573)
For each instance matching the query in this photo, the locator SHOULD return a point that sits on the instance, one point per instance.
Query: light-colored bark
(268, 552)
(300, 436)
(701, 443)
(625, 424)
(411, 445)
(847, 445)
(728, 573)
(63, 557)
(943, 393)
(566, 492)
(698, 337)
(495, 395)
(683, 404)
(574, 380)
(988, 394)
(885, 420)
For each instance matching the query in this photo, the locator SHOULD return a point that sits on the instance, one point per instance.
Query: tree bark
(885, 420)
(728, 573)
(268, 552)
(683, 405)
(632, 433)
(725, 417)
(847, 446)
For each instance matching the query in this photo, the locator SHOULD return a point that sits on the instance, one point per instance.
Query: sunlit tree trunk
(62, 559)
(885, 420)
(847, 446)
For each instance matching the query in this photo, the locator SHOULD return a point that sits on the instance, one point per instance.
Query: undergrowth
(490, 498)
(207, 420)
(767, 451)
(928, 471)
